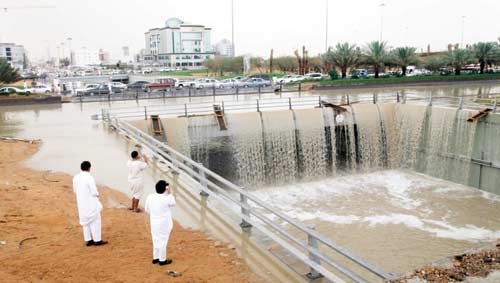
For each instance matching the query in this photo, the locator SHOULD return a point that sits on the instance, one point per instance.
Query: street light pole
(69, 46)
(232, 27)
(326, 28)
(462, 34)
(382, 6)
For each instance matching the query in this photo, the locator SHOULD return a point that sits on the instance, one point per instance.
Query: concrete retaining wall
(30, 100)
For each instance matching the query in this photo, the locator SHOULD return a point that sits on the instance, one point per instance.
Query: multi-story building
(178, 45)
(85, 57)
(13, 54)
(224, 48)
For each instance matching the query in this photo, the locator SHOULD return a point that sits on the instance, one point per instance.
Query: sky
(260, 25)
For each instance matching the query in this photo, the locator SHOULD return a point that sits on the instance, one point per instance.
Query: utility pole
(70, 53)
(232, 27)
(382, 6)
(462, 34)
(271, 62)
(326, 28)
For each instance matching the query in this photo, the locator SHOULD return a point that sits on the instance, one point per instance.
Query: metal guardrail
(251, 210)
(205, 108)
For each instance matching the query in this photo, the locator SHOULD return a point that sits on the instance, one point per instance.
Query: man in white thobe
(136, 168)
(89, 206)
(158, 206)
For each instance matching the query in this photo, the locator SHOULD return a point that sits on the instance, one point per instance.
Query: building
(178, 45)
(104, 57)
(224, 48)
(85, 57)
(14, 55)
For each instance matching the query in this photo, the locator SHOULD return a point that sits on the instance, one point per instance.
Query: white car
(119, 85)
(230, 83)
(290, 79)
(41, 88)
(207, 83)
(11, 90)
(314, 76)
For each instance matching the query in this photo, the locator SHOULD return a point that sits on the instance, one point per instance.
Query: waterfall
(280, 147)
(247, 145)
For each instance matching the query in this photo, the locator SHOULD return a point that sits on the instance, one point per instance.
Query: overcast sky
(260, 25)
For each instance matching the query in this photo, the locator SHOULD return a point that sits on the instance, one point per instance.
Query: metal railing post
(319, 101)
(185, 109)
(430, 99)
(203, 181)
(223, 108)
(145, 112)
(245, 210)
(404, 98)
(281, 88)
(374, 98)
(348, 100)
(397, 97)
(300, 88)
(290, 103)
(313, 243)
(258, 106)
(495, 105)
(461, 103)
(259, 90)
(189, 91)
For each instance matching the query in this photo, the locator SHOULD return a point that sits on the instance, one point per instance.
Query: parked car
(41, 88)
(119, 85)
(359, 73)
(11, 90)
(314, 76)
(161, 84)
(208, 83)
(230, 83)
(138, 85)
(261, 76)
(290, 79)
(82, 91)
(255, 82)
(102, 89)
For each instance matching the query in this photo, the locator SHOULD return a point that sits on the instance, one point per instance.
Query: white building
(13, 54)
(85, 57)
(178, 45)
(224, 48)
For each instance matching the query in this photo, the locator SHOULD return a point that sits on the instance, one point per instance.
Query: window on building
(184, 64)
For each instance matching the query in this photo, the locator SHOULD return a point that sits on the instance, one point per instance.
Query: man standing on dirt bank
(89, 206)
(136, 168)
(159, 208)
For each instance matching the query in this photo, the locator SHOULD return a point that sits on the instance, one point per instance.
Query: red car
(161, 84)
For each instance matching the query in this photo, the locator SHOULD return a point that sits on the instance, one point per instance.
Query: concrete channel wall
(487, 148)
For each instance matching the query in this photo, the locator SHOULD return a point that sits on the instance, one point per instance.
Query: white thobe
(89, 206)
(136, 177)
(160, 215)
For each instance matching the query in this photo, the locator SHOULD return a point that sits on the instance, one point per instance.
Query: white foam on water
(383, 198)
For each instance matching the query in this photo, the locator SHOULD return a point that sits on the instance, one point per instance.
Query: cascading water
(279, 147)
(247, 145)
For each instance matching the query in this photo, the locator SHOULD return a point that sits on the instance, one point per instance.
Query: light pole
(326, 28)
(232, 26)
(382, 6)
(69, 39)
(462, 34)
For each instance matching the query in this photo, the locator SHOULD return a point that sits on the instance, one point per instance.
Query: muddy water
(399, 220)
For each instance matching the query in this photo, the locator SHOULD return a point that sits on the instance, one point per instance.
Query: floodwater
(397, 219)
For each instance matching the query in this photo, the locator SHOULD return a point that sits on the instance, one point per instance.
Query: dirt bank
(41, 240)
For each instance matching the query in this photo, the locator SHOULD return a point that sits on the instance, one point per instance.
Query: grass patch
(395, 80)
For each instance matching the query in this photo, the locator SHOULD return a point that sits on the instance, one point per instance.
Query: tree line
(375, 55)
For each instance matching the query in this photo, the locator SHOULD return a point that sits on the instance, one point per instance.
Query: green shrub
(334, 75)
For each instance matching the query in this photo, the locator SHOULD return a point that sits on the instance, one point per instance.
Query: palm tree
(485, 53)
(458, 58)
(344, 56)
(376, 55)
(403, 57)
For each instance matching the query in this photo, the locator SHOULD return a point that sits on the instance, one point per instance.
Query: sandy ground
(41, 240)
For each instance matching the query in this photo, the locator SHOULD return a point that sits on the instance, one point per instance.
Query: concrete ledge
(9, 101)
